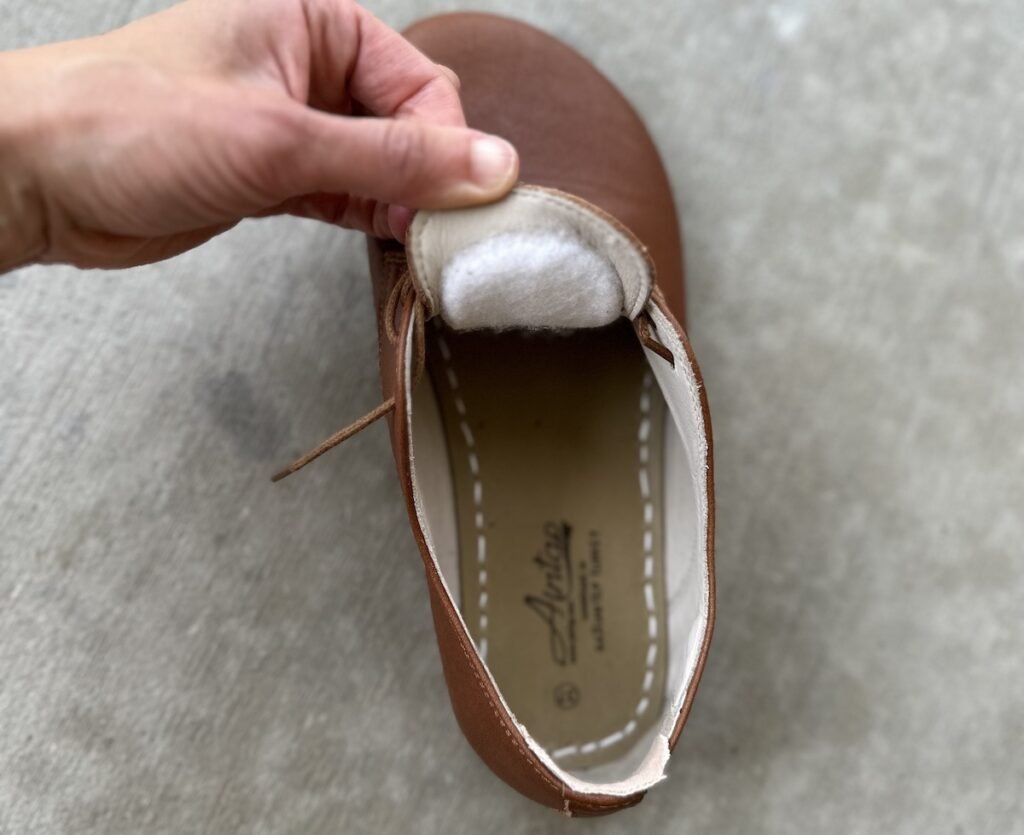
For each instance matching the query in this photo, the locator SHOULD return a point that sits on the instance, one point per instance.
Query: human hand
(142, 143)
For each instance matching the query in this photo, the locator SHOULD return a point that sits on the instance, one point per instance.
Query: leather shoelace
(399, 296)
(403, 290)
(644, 328)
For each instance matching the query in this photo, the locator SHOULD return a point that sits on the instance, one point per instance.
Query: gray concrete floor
(185, 648)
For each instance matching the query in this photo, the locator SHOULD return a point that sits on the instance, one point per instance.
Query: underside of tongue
(538, 258)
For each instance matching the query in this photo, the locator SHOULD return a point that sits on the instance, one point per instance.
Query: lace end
(338, 437)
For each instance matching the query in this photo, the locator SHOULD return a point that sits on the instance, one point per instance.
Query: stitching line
(514, 735)
(644, 454)
(479, 520)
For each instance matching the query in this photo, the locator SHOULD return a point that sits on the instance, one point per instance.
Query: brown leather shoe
(551, 431)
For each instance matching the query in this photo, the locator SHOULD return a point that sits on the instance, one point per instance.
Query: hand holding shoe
(142, 143)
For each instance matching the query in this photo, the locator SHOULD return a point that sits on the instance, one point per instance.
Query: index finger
(391, 78)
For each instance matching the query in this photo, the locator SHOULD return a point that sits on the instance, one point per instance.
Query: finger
(390, 77)
(378, 219)
(90, 249)
(452, 76)
(335, 209)
(407, 162)
(399, 219)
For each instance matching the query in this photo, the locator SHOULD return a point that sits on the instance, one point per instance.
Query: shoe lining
(506, 382)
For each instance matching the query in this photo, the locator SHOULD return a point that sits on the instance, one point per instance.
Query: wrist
(23, 233)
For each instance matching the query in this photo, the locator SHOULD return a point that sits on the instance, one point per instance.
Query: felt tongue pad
(538, 258)
(547, 278)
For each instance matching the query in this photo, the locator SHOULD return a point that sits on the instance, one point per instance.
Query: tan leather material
(578, 135)
(477, 707)
(387, 263)
(573, 129)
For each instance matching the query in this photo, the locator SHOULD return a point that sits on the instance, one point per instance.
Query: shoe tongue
(538, 258)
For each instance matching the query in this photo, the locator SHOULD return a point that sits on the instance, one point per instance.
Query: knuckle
(403, 150)
(441, 93)
(451, 75)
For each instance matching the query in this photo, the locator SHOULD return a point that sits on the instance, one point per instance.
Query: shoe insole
(555, 448)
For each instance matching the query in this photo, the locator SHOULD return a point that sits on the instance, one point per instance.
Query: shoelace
(403, 290)
(400, 293)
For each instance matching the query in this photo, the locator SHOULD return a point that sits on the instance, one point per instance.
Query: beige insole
(555, 446)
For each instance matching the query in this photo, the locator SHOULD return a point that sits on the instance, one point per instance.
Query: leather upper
(576, 133)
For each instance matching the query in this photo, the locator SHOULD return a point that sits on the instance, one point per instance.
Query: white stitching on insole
(478, 491)
(643, 436)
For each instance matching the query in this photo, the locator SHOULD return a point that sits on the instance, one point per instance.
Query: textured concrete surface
(185, 648)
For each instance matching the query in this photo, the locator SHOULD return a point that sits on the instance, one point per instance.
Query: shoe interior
(565, 515)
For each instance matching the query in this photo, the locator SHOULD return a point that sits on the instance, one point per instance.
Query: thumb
(403, 161)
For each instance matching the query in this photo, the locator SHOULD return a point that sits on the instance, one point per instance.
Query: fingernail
(493, 162)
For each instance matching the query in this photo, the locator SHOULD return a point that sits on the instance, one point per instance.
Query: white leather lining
(434, 479)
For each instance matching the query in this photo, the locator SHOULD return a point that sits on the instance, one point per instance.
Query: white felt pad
(537, 258)
(549, 279)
